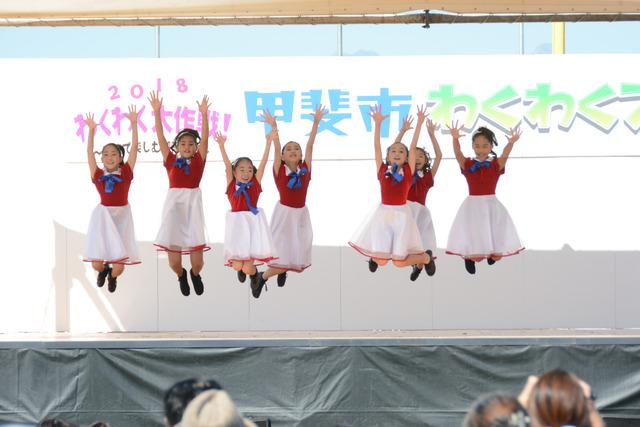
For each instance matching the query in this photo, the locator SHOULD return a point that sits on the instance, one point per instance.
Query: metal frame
(426, 18)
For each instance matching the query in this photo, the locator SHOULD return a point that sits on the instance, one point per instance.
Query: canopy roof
(15, 12)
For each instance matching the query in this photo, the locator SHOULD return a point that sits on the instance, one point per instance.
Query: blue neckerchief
(183, 164)
(477, 164)
(295, 179)
(110, 181)
(397, 176)
(416, 175)
(241, 188)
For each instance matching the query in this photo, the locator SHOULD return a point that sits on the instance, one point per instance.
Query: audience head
(497, 410)
(180, 394)
(213, 408)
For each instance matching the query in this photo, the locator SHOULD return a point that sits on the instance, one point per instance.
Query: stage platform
(309, 378)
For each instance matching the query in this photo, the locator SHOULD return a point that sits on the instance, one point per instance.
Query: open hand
(156, 103)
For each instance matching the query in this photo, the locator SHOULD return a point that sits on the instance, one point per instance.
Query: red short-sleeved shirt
(393, 192)
(239, 202)
(120, 194)
(483, 181)
(418, 192)
(293, 197)
(178, 178)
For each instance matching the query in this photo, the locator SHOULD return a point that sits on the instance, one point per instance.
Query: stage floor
(222, 339)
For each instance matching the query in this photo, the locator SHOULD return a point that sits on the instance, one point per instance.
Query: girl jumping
(111, 240)
(182, 230)
(482, 228)
(290, 223)
(390, 232)
(247, 237)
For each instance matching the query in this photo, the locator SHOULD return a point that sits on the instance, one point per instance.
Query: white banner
(585, 105)
(567, 106)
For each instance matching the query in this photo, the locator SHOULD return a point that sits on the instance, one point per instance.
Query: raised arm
(203, 107)
(422, 115)
(156, 105)
(132, 115)
(221, 140)
(277, 149)
(91, 157)
(317, 117)
(455, 136)
(406, 126)
(511, 139)
(378, 118)
(436, 147)
(265, 156)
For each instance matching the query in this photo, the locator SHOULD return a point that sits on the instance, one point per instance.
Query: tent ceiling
(46, 9)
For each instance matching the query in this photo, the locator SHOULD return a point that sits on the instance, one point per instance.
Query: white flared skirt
(389, 232)
(422, 216)
(111, 238)
(483, 228)
(182, 229)
(247, 237)
(292, 237)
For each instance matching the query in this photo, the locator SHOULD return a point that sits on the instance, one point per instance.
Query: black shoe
(415, 273)
(102, 276)
(111, 282)
(430, 268)
(282, 279)
(198, 286)
(242, 276)
(470, 265)
(257, 285)
(373, 266)
(491, 261)
(184, 283)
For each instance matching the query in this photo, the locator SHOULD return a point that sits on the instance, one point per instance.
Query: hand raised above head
(132, 114)
(156, 103)
(455, 130)
(89, 121)
(204, 105)
(220, 138)
(376, 114)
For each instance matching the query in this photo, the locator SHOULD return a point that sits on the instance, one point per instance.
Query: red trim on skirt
(282, 267)
(118, 261)
(481, 257)
(229, 263)
(203, 248)
(365, 253)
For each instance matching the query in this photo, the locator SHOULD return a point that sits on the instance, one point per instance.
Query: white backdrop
(569, 187)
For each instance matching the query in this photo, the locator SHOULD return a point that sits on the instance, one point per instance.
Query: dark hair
(290, 142)
(55, 422)
(427, 160)
(181, 393)
(389, 149)
(487, 133)
(238, 160)
(118, 147)
(557, 399)
(497, 410)
(185, 132)
(100, 424)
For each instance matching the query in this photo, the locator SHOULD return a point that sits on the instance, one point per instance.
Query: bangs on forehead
(248, 162)
(398, 144)
(291, 143)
